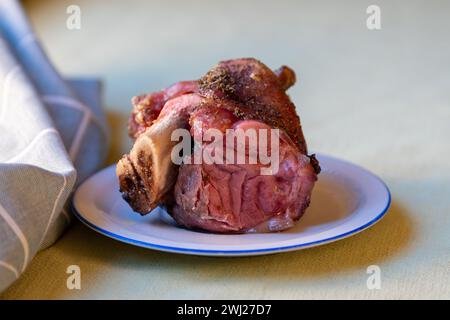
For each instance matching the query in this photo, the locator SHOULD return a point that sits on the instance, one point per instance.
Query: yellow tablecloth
(377, 98)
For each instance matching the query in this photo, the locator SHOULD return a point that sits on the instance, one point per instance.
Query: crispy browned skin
(286, 76)
(246, 87)
(259, 92)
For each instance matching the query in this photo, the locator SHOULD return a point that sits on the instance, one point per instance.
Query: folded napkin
(53, 135)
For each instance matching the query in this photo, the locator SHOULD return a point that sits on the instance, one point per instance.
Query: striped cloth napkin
(53, 134)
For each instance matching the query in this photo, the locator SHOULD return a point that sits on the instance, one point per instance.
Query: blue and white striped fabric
(53, 135)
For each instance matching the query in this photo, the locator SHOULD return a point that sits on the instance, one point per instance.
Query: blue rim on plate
(227, 252)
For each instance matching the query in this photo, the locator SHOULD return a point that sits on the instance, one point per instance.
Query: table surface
(377, 98)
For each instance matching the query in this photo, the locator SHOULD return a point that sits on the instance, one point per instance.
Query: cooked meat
(146, 107)
(240, 93)
(259, 92)
(236, 197)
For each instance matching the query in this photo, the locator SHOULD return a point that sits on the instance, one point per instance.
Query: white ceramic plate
(346, 200)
